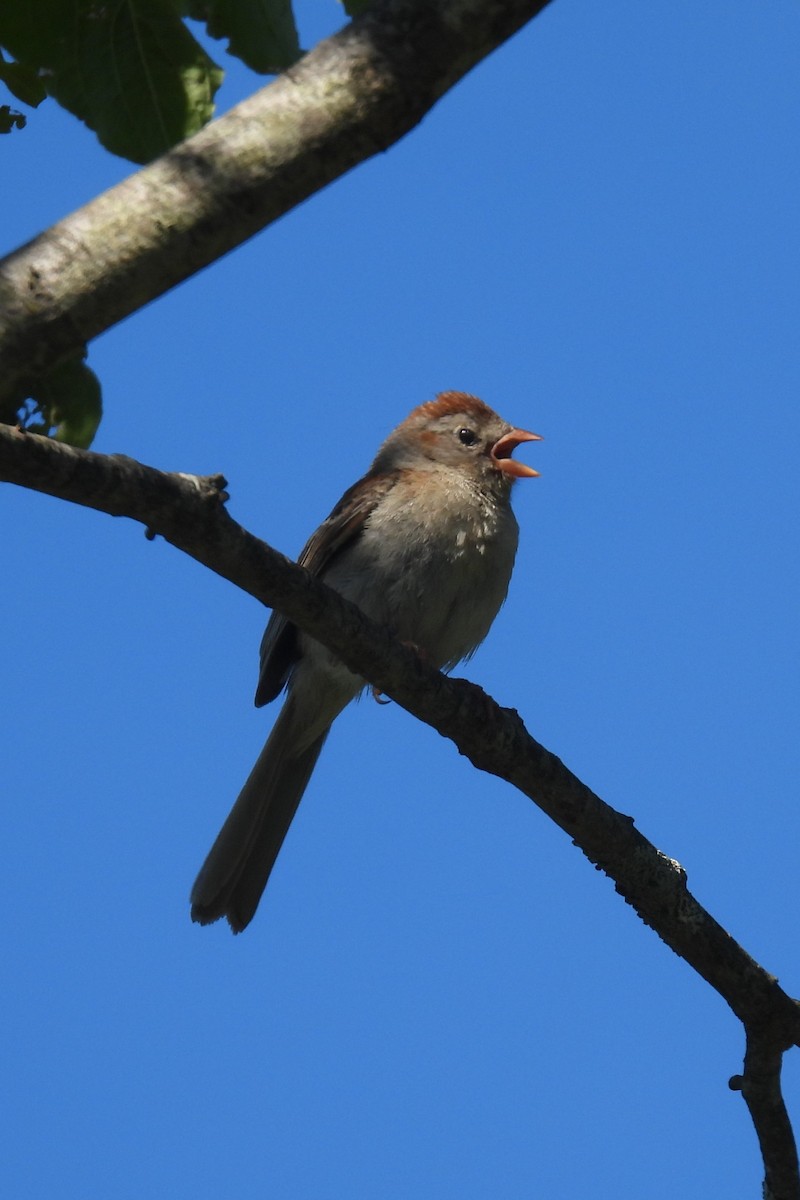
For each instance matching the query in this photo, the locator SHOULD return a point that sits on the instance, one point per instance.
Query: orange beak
(505, 447)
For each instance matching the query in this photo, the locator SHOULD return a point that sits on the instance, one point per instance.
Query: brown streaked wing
(279, 646)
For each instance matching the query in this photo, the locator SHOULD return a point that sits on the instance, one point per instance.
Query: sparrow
(424, 544)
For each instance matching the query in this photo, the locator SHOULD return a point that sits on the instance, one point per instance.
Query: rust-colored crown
(446, 403)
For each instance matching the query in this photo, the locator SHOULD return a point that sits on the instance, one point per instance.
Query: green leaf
(262, 33)
(11, 119)
(354, 7)
(11, 407)
(129, 68)
(22, 81)
(69, 402)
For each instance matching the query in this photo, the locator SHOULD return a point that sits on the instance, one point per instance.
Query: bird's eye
(467, 437)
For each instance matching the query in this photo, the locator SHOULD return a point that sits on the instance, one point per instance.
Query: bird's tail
(235, 873)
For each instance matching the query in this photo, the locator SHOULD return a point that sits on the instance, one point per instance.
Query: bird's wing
(279, 645)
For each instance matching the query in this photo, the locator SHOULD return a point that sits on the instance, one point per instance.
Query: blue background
(596, 231)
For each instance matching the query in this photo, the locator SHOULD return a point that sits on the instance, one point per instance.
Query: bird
(424, 544)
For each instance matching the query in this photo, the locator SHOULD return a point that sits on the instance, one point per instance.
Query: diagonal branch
(188, 511)
(351, 97)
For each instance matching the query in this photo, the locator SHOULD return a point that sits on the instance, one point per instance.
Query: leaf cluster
(133, 70)
(65, 404)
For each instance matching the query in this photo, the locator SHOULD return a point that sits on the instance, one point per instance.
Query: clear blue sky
(597, 231)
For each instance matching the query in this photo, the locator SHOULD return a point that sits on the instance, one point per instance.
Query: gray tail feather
(233, 877)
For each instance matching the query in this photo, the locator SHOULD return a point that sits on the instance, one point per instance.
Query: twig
(761, 1088)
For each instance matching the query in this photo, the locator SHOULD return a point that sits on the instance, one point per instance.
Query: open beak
(505, 447)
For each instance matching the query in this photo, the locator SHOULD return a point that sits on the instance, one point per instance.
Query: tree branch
(188, 511)
(761, 1088)
(352, 96)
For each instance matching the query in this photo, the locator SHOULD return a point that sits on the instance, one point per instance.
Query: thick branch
(352, 96)
(189, 512)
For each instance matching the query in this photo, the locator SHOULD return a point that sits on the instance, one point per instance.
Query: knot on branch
(211, 487)
(208, 489)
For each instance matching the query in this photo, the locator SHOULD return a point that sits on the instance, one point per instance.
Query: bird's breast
(434, 573)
